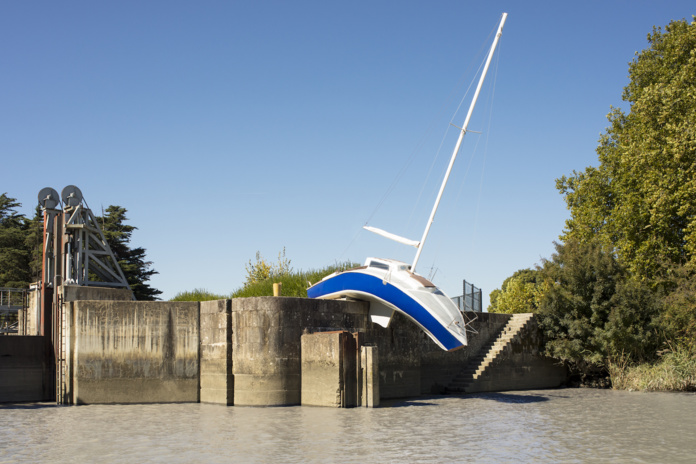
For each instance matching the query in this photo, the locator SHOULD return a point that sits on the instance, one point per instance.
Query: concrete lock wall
(23, 371)
(411, 364)
(266, 343)
(521, 366)
(134, 352)
(217, 380)
(439, 367)
(249, 351)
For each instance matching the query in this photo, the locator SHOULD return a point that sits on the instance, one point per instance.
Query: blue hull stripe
(355, 281)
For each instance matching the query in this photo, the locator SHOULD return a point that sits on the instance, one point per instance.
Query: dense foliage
(619, 293)
(593, 313)
(520, 293)
(15, 254)
(641, 199)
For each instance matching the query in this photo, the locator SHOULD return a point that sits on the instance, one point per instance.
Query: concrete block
(329, 370)
(369, 376)
(267, 343)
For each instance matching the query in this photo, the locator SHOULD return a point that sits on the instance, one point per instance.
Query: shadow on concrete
(27, 405)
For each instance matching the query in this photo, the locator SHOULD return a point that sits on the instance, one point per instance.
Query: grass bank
(675, 371)
(293, 284)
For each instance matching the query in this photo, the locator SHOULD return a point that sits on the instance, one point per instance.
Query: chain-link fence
(471, 298)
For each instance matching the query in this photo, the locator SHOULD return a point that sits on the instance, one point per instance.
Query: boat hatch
(379, 265)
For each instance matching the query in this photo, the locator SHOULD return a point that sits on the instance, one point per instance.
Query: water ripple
(568, 426)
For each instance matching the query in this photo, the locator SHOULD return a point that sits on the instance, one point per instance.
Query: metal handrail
(13, 299)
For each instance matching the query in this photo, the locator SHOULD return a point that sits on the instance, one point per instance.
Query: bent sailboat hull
(416, 304)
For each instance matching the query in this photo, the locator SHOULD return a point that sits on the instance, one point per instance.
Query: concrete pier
(329, 370)
(369, 376)
(217, 380)
(266, 343)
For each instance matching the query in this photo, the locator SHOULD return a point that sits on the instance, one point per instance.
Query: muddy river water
(566, 425)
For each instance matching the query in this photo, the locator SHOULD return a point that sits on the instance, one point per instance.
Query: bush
(675, 371)
(293, 283)
(520, 293)
(197, 294)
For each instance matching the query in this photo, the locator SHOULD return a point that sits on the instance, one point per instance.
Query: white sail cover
(390, 236)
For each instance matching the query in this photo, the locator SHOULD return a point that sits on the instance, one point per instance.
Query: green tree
(519, 293)
(641, 199)
(34, 243)
(577, 305)
(678, 318)
(14, 254)
(132, 260)
(592, 311)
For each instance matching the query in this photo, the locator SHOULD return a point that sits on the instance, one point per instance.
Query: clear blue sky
(227, 128)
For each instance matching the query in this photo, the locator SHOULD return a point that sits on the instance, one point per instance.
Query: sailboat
(394, 286)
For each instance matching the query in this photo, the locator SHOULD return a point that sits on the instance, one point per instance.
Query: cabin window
(379, 265)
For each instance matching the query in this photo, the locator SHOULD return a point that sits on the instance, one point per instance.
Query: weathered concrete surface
(399, 357)
(76, 292)
(411, 364)
(249, 352)
(369, 376)
(329, 370)
(134, 352)
(23, 370)
(439, 367)
(28, 318)
(217, 380)
(266, 343)
(521, 366)
(267, 358)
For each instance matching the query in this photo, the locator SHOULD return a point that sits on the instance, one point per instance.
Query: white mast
(459, 142)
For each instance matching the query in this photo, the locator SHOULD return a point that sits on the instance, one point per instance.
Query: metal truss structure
(75, 249)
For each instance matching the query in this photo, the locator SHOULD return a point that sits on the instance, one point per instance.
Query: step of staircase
(478, 364)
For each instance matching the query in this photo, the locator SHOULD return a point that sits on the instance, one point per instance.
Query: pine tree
(34, 243)
(14, 254)
(132, 261)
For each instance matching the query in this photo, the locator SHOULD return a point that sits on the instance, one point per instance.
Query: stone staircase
(466, 380)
